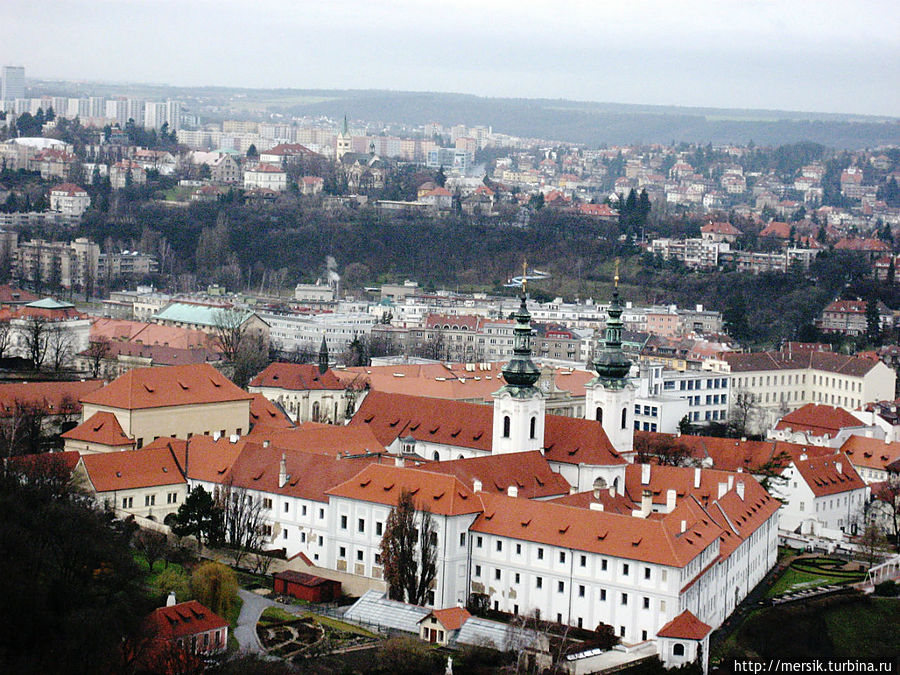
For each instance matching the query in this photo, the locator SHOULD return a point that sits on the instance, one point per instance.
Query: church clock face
(545, 386)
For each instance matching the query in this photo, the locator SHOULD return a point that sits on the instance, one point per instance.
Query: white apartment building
(292, 331)
(69, 199)
(265, 176)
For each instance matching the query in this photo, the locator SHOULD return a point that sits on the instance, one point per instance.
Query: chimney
(266, 444)
(646, 503)
(683, 526)
(216, 435)
(596, 506)
(234, 438)
(740, 489)
(723, 488)
(170, 601)
(730, 482)
(476, 485)
(512, 491)
(696, 477)
(803, 457)
(612, 490)
(399, 461)
(573, 490)
(671, 497)
(282, 471)
(596, 493)
(839, 467)
(645, 474)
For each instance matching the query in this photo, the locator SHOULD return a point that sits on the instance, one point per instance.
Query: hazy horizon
(818, 57)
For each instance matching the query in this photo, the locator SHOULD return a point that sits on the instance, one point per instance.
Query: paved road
(253, 607)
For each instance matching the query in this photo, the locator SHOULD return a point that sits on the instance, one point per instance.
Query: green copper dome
(611, 364)
(520, 372)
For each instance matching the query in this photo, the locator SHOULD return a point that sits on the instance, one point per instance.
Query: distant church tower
(519, 406)
(323, 357)
(610, 396)
(344, 143)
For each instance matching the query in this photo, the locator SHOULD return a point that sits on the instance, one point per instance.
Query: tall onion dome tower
(610, 396)
(519, 406)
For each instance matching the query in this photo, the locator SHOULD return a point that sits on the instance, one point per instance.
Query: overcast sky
(815, 55)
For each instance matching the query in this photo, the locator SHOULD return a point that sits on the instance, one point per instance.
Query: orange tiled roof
(131, 469)
(439, 493)
(818, 420)
(169, 386)
(149, 334)
(185, 619)
(529, 472)
(823, 477)
(265, 413)
(54, 397)
(685, 626)
(872, 453)
(612, 503)
(321, 439)
(102, 428)
(653, 540)
(817, 360)
(296, 377)
(451, 618)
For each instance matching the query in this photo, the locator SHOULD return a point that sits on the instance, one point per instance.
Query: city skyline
(817, 57)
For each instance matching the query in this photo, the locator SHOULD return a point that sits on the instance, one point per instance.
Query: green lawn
(870, 631)
(274, 615)
(797, 579)
(340, 625)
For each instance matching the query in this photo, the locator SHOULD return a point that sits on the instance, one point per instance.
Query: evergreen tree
(873, 321)
(252, 152)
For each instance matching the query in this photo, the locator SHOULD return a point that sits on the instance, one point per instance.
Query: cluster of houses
(534, 513)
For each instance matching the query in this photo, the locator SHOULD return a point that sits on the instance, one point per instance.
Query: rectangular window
(150, 500)
(499, 546)
(477, 570)
(621, 631)
(562, 556)
(581, 591)
(462, 538)
(646, 603)
(602, 595)
(540, 553)
(625, 569)
(603, 564)
(359, 556)
(497, 575)
(321, 514)
(478, 541)
(284, 534)
(624, 598)
(518, 549)
(539, 582)
(560, 587)
(361, 525)
(342, 553)
(303, 510)
(583, 561)
(267, 503)
(343, 522)
(287, 507)
(517, 577)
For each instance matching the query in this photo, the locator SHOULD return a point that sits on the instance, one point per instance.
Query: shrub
(888, 589)
(215, 585)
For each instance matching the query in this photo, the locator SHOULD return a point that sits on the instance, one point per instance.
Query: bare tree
(5, 338)
(409, 554)
(229, 331)
(152, 545)
(97, 350)
(36, 339)
(60, 345)
(742, 413)
(243, 518)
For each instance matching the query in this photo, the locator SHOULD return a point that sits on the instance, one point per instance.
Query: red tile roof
(165, 387)
(185, 619)
(451, 618)
(310, 476)
(653, 540)
(685, 626)
(771, 361)
(69, 188)
(529, 472)
(818, 420)
(265, 413)
(321, 439)
(872, 453)
(296, 377)
(470, 425)
(868, 245)
(441, 494)
(612, 503)
(266, 168)
(12, 295)
(132, 469)
(721, 228)
(54, 397)
(149, 334)
(101, 428)
(823, 477)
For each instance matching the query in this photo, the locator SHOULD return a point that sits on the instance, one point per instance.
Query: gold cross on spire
(524, 273)
(616, 278)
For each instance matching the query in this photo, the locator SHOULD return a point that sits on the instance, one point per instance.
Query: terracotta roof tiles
(101, 428)
(296, 377)
(132, 469)
(685, 626)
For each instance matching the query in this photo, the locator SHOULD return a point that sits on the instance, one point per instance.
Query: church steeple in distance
(520, 373)
(611, 364)
(323, 357)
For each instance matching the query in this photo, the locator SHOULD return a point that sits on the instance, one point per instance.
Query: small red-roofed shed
(306, 586)
(682, 639)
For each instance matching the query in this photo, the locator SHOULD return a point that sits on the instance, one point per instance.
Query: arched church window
(506, 426)
(678, 649)
(533, 427)
(624, 417)
(600, 414)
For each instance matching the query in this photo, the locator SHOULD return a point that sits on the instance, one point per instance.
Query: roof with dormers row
(872, 453)
(321, 439)
(470, 425)
(185, 619)
(770, 361)
(264, 413)
(101, 428)
(439, 493)
(653, 540)
(296, 377)
(818, 420)
(528, 472)
(824, 478)
(142, 388)
(132, 469)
